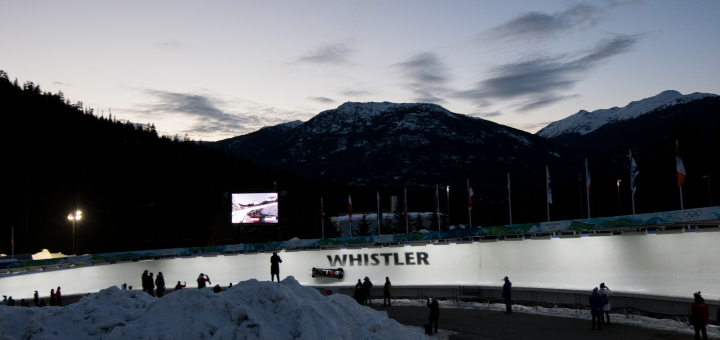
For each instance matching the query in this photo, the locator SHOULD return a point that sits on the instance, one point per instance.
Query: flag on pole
(549, 189)
(379, 211)
(12, 241)
(470, 195)
(633, 172)
(350, 209)
(322, 212)
(588, 182)
(680, 166)
(437, 200)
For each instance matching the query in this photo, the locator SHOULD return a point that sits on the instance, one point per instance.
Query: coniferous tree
(433, 219)
(332, 228)
(398, 221)
(363, 227)
(444, 221)
(416, 222)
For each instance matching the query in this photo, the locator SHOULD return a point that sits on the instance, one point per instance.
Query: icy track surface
(249, 310)
(631, 320)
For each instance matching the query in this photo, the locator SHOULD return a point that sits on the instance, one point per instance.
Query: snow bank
(46, 254)
(249, 310)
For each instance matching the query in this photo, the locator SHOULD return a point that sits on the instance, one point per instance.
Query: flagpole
(547, 187)
(547, 191)
(469, 204)
(12, 238)
(322, 217)
(681, 199)
(587, 185)
(379, 213)
(509, 198)
(407, 225)
(632, 181)
(437, 203)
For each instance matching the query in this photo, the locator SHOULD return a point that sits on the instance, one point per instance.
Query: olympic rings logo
(692, 215)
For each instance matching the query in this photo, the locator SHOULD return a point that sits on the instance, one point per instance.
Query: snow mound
(249, 310)
(46, 254)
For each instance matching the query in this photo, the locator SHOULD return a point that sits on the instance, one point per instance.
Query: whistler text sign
(397, 259)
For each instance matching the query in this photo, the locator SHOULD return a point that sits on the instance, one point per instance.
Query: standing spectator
(151, 285)
(275, 261)
(367, 287)
(507, 295)
(202, 279)
(36, 298)
(5, 300)
(58, 297)
(359, 294)
(434, 312)
(386, 292)
(179, 286)
(160, 284)
(53, 301)
(596, 308)
(144, 278)
(699, 316)
(605, 292)
(11, 302)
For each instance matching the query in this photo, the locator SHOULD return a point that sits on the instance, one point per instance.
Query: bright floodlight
(70, 217)
(78, 213)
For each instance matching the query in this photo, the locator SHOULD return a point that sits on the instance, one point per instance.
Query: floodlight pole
(709, 189)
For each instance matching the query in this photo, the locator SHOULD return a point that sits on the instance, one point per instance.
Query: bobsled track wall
(674, 265)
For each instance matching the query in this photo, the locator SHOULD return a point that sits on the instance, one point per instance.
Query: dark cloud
(328, 54)
(356, 93)
(427, 75)
(543, 101)
(537, 25)
(425, 68)
(540, 80)
(209, 118)
(489, 114)
(322, 100)
(423, 96)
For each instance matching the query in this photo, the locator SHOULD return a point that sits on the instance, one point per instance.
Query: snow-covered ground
(249, 310)
(632, 320)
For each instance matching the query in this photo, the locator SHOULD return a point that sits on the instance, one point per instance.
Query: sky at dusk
(219, 69)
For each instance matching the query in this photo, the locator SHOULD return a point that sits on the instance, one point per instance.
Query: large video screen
(251, 208)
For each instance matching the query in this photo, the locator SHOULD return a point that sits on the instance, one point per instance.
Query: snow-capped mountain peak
(584, 122)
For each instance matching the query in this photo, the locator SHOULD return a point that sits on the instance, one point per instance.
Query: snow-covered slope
(249, 310)
(585, 122)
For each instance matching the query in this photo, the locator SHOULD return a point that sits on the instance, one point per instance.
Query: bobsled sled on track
(336, 273)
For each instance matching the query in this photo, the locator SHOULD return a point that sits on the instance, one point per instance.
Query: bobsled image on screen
(255, 208)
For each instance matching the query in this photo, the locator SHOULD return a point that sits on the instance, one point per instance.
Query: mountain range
(387, 145)
(585, 122)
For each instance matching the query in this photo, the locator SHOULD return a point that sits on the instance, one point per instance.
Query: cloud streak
(323, 100)
(427, 75)
(328, 54)
(537, 25)
(211, 119)
(539, 81)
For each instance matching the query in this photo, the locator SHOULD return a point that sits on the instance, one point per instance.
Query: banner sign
(667, 217)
